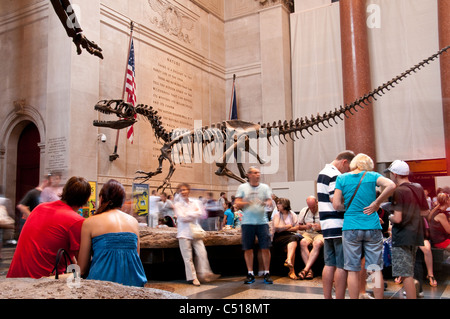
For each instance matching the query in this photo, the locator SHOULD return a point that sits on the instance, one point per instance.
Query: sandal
(302, 274)
(398, 280)
(432, 281)
(288, 264)
(292, 276)
(310, 275)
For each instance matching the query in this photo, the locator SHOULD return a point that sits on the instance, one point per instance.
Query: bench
(162, 259)
(438, 259)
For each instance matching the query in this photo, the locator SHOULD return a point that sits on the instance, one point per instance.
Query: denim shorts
(333, 252)
(262, 232)
(355, 242)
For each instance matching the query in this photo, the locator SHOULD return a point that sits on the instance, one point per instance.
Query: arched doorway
(28, 161)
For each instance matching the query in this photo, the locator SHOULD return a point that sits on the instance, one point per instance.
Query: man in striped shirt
(331, 222)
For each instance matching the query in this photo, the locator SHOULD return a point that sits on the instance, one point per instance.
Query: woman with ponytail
(440, 223)
(113, 238)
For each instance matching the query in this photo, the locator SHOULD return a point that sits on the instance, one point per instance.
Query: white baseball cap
(398, 167)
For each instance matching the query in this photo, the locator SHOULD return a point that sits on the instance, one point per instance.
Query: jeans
(355, 242)
(333, 252)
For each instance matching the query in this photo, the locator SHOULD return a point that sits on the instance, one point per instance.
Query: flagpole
(232, 93)
(114, 155)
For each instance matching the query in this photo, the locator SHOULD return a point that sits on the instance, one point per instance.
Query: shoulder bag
(357, 187)
(197, 231)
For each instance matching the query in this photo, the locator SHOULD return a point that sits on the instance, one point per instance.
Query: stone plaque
(57, 150)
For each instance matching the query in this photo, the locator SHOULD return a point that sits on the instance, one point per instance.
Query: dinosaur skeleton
(237, 133)
(66, 14)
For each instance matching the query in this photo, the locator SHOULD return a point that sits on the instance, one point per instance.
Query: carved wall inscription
(173, 94)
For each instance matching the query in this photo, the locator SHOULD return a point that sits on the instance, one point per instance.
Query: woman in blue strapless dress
(113, 238)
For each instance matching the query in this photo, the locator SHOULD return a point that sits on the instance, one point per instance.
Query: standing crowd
(349, 220)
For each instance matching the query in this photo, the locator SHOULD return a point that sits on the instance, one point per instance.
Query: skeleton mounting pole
(114, 155)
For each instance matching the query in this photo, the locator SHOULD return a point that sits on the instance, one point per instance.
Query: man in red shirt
(50, 226)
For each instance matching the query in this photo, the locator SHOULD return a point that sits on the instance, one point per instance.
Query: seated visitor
(309, 226)
(113, 238)
(439, 223)
(50, 227)
(285, 225)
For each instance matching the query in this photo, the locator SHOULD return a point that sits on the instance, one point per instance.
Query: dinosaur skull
(124, 111)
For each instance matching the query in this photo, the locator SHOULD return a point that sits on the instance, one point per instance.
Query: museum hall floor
(284, 288)
(232, 287)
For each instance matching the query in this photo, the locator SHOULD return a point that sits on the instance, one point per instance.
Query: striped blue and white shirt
(331, 221)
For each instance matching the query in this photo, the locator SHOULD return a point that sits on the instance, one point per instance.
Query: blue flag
(233, 106)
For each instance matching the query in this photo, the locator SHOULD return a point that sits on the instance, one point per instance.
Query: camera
(102, 137)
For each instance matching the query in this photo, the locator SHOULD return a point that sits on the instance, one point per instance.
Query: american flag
(130, 88)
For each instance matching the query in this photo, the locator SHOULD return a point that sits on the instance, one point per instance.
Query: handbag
(5, 220)
(357, 187)
(197, 231)
(67, 261)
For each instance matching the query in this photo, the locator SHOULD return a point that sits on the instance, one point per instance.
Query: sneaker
(250, 279)
(267, 279)
(366, 296)
(420, 294)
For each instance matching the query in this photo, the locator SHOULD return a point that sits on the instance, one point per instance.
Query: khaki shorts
(311, 237)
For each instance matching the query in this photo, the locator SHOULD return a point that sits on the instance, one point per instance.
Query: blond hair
(442, 198)
(363, 162)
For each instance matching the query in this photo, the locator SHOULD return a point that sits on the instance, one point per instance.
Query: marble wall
(186, 55)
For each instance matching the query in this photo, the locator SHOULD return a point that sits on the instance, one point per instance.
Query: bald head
(312, 203)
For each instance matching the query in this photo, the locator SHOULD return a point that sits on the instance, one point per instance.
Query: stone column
(276, 85)
(57, 109)
(444, 40)
(359, 128)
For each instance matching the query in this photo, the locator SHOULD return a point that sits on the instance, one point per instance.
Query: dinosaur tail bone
(313, 123)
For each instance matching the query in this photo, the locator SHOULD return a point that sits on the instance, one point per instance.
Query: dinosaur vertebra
(236, 133)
